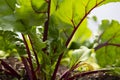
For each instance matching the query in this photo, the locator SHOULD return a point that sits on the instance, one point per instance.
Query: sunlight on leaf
(110, 38)
(77, 55)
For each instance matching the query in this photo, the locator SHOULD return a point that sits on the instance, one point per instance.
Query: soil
(99, 76)
(17, 65)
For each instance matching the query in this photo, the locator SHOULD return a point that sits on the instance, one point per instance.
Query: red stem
(80, 75)
(10, 69)
(75, 29)
(69, 39)
(56, 67)
(34, 52)
(6, 72)
(27, 68)
(29, 57)
(45, 34)
(106, 44)
(66, 74)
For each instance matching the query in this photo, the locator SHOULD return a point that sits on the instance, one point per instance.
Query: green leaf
(116, 71)
(108, 1)
(104, 25)
(37, 42)
(28, 11)
(78, 55)
(67, 18)
(39, 6)
(6, 7)
(3, 54)
(79, 37)
(8, 42)
(73, 15)
(75, 10)
(56, 36)
(8, 21)
(108, 54)
(111, 33)
(46, 65)
(94, 18)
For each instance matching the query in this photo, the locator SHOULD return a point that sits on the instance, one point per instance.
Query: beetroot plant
(47, 35)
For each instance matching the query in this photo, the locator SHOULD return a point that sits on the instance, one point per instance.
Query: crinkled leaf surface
(109, 46)
(10, 43)
(37, 42)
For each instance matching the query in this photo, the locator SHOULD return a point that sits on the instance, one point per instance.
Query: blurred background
(109, 11)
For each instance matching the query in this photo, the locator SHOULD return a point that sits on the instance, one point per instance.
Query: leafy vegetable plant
(48, 34)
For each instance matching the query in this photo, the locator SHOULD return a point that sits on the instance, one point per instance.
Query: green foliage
(116, 71)
(110, 49)
(8, 21)
(29, 14)
(104, 25)
(67, 18)
(55, 31)
(78, 55)
(9, 42)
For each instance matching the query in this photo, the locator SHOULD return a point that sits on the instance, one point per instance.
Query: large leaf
(6, 7)
(63, 13)
(79, 37)
(19, 15)
(31, 12)
(108, 49)
(8, 20)
(74, 13)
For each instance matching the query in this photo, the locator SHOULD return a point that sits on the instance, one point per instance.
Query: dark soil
(99, 76)
(13, 62)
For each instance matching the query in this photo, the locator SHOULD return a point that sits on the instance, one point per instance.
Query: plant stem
(76, 28)
(45, 34)
(34, 52)
(29, 57)
(100, 46)
(10, 69)
(105, 44)
(45, 31)
(69, 39)
(27, 68)
(56, 67)
(6, 72)
(67, 73)
(80, 75)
